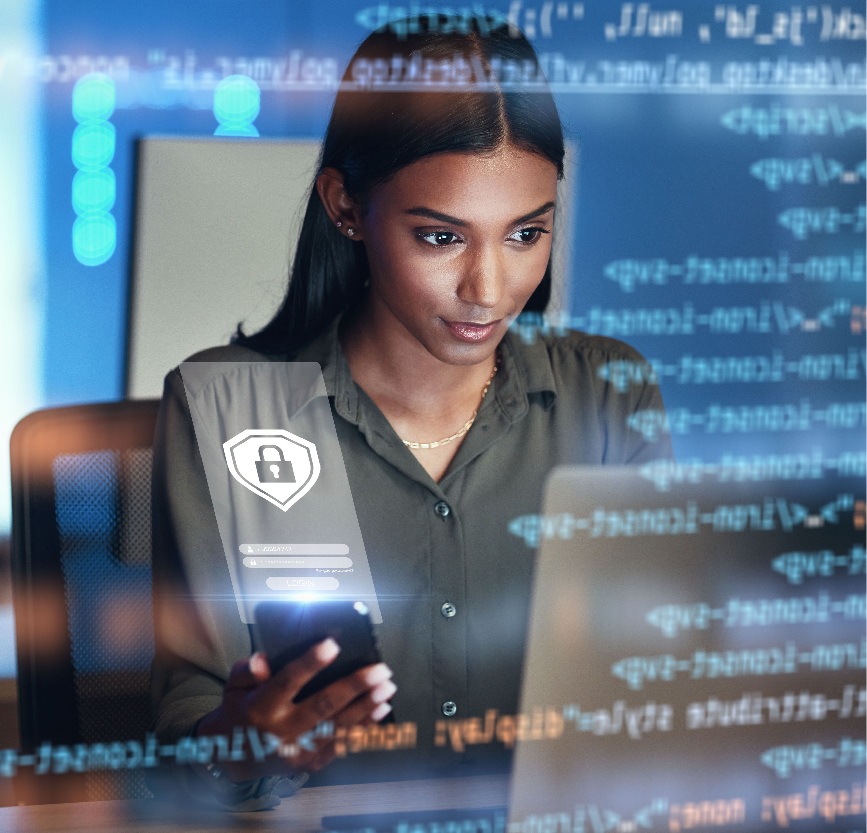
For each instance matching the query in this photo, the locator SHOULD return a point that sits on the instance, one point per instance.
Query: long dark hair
(410, 91)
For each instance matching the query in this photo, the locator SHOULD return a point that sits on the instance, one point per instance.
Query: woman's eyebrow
(542, 209)
(423, 211)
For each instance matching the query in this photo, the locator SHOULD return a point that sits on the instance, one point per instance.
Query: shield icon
(274, 464)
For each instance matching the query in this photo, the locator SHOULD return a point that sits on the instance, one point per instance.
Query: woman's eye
(439, 238)
(528, 235)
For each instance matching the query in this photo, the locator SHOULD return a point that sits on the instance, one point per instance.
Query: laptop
(696, 653)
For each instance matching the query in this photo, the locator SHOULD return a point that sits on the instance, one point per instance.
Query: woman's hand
(253, 697)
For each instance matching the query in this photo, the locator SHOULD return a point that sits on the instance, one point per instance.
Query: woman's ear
(340, 208)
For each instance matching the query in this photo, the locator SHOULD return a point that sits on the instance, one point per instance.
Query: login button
(302, 584)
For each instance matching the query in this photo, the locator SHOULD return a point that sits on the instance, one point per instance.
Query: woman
(427, 233)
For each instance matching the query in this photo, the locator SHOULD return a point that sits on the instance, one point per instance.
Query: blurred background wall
(22, 302)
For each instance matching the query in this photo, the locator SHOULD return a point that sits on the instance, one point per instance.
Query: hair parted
(410, 91)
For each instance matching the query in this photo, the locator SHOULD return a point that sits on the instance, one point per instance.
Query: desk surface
(300, 814)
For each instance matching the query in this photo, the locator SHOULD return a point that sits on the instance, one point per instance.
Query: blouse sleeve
(198, 633)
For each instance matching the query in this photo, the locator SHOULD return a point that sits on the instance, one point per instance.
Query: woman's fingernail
(258, 663)
(328, 649)
(380, 711)
(382, 692)
(378, 673)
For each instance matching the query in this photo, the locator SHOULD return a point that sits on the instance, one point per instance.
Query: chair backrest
(81, 570)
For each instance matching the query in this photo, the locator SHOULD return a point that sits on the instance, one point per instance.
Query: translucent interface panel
(278, 484)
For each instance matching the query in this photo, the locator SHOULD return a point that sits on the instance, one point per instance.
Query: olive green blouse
(451, 569)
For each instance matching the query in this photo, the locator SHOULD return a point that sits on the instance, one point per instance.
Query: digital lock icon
(273, 469)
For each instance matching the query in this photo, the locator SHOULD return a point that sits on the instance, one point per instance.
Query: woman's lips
(470, 331)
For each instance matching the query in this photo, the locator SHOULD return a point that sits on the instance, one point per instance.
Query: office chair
(81, 573)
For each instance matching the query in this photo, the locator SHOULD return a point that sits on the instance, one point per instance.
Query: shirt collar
(526, 369)
(325, 349)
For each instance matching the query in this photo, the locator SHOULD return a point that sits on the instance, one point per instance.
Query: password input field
(290, 562)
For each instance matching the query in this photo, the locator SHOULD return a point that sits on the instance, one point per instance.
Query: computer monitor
(215, 226)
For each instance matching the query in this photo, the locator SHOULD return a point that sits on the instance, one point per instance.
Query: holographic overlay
(278, 484)
(244, 744)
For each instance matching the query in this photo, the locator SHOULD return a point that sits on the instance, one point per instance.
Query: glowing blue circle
(93, 97)
(94, 238)
(93, 191)
(236, 101)
(93, 146)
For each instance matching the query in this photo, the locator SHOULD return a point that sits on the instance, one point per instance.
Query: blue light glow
(93, 97)
(94, 238)
(93, 146)
(236, 105)
(93, 191)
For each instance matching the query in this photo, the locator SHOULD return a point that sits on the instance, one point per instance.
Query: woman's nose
(483, 280)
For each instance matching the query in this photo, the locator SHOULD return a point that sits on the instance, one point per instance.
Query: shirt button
(442, 509)
(449, 708)
(448, 610)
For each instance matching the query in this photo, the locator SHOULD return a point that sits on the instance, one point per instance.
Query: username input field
(294, 549)
(290, 562)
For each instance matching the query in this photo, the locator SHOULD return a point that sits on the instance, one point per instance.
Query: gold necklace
(468, 423)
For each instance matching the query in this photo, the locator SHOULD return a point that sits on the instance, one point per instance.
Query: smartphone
(285, 630)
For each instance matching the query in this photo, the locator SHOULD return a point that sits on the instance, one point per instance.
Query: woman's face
(457, 242)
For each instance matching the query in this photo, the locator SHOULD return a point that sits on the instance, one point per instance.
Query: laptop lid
(696, 652)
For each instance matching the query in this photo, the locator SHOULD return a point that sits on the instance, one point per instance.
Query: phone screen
(286, 629)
